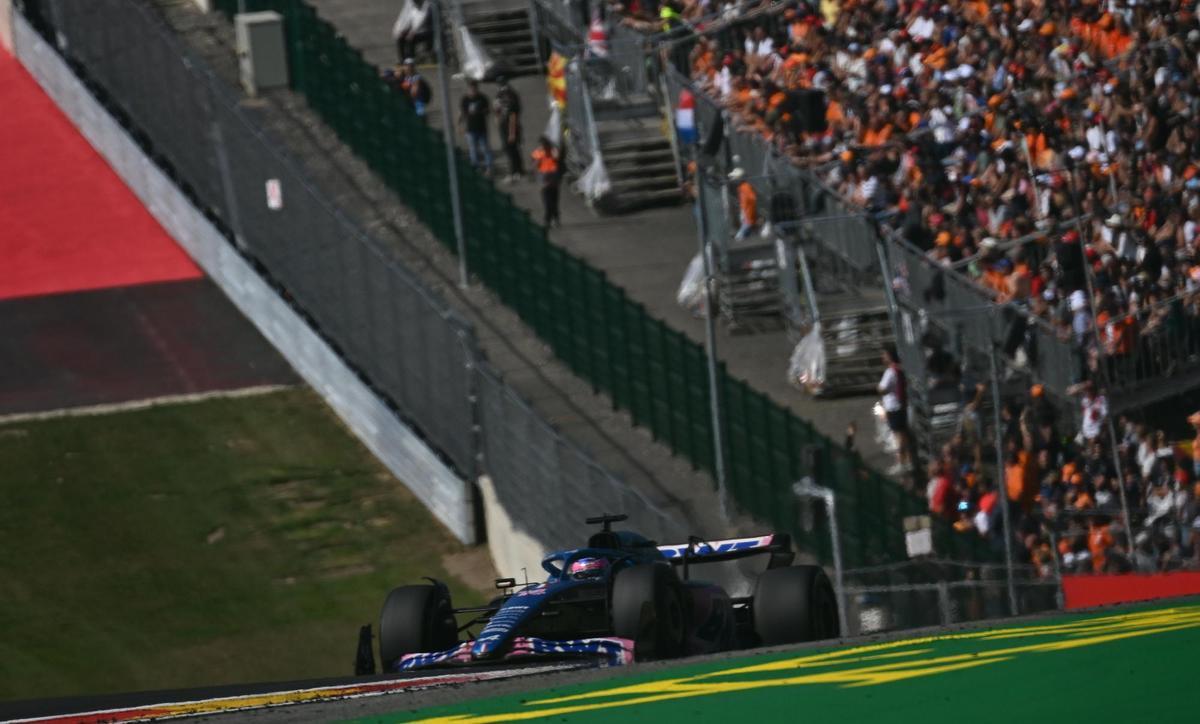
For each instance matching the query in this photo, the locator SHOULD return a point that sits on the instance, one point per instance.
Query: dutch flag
(685, 117)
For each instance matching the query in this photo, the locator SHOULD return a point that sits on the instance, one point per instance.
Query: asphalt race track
(299, 696)
(869, 678)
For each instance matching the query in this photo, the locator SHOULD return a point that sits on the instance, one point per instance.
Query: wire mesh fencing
(407, 343)
(399, 336)
(924, 593)
(549, 479)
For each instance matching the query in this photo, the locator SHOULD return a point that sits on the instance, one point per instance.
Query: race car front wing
(604, 651)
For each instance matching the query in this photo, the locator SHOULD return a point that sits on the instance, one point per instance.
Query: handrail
(1022, 240)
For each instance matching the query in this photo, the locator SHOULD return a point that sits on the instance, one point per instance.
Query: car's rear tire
(415, 619)
(647, 607)
(794, 604)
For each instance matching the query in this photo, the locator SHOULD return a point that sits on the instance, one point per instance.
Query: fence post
(55, 19)
(710, 345)
(471, 369)
(448, 138)
(806, 488)
(231, 202)
(1001, 488)
(1059, 596)
(943, 590)
(536, 36)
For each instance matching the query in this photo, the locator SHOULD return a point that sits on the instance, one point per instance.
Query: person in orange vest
(747, 203)
(545, 161)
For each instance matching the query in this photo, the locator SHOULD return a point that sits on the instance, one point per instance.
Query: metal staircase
(854, 340)
(855, 326)
(502, 27)
(640, 163)
(750, 296)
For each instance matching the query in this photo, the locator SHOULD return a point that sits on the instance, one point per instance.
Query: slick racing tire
(415, 619)
(647, 607)
(794, 604)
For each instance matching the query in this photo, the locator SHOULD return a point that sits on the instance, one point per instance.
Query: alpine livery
(619, 599)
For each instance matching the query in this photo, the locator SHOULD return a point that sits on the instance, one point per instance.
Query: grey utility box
(262, 54)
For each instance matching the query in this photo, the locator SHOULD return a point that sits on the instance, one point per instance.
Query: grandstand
(1036, 165)
(1030, 179)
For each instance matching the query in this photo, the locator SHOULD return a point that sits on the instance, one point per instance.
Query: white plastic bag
(594, 183)
(404, 20)
(608, 92)
(691, 289)
(554, 125)
(476, 63)
(807, 366)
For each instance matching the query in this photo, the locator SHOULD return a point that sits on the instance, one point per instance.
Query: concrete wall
(511, 549)
(448, 497)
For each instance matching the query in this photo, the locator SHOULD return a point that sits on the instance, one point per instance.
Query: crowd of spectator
(1067, 486)
(975, 130)
(1049, 150)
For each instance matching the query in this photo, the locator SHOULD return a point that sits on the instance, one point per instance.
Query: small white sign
(919, 542)
(274, 194)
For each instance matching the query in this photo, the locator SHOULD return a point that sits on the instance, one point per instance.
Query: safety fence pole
(710, 341)
(448, 138)
(1001, 488)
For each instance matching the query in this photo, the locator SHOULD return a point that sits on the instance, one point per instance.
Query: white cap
(737, 174)
(1026, 25)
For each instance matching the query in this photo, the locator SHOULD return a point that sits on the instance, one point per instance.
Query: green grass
(231, 540)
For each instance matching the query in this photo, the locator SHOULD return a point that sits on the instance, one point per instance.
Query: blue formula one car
(620, 599)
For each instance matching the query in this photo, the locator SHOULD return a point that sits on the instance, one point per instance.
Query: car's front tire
(647, 607)
(794, 604)
(415, 619)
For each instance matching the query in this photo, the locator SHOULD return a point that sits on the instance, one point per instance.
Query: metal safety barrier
(935, 592)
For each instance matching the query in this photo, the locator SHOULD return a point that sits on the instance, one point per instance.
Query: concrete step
(661, 170)
(648, 156)
(503, 19)
(662, 183)
(623, 109)
(504, 37)
(645, 144)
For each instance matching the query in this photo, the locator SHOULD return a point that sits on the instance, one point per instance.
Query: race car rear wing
(778, 545)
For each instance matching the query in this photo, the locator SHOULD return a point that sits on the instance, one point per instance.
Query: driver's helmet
(588, 568)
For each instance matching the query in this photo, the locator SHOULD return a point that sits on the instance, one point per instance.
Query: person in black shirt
(1069, 254)
(508, 116)
(474, 120)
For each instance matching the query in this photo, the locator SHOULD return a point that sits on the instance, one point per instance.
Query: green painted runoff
(1118, 666)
